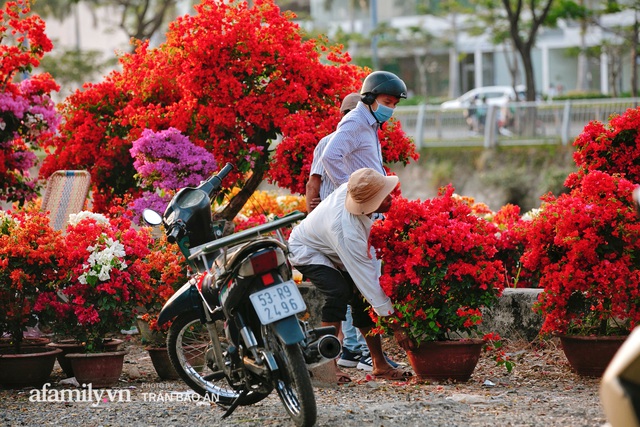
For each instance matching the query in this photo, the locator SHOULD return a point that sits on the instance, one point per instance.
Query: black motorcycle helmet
(380, 82)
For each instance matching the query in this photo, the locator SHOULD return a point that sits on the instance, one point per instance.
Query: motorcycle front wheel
(293, 383)
(190, 351)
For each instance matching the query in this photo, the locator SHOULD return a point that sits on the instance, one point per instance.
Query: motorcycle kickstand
(235, 403)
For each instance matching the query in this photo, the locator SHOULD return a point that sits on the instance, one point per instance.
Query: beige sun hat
(350, 102)
(367, 189)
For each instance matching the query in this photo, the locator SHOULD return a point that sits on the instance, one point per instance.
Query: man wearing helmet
(355, 145)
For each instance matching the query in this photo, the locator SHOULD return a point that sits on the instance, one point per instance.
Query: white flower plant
(106, 255)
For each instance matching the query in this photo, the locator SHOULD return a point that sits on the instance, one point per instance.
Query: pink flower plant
(28, 118)
(165, 162)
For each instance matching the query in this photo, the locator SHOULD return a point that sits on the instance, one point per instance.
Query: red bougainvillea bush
(613, 148)
(231, 78)
(586, 245)
(107, 278)
(30, 251)
(439, 266)
(512, 241)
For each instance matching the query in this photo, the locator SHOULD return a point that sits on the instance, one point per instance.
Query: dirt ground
(540, 391)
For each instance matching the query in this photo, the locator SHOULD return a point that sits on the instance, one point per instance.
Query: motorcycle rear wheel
(293, 384)
(189, 347)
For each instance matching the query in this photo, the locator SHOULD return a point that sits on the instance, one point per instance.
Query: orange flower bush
(30, 252)
(167, 273)
(264, 206)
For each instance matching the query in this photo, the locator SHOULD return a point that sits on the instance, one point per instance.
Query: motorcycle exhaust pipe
(327, 346)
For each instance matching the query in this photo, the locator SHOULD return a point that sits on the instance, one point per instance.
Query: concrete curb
(512, 317)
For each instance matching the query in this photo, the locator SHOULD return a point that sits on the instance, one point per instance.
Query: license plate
(277, 302)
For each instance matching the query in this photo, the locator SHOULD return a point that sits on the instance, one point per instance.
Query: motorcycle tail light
(267, 279)
(262, 261)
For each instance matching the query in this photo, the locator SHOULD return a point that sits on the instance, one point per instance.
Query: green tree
(629, 33)
(523, 21)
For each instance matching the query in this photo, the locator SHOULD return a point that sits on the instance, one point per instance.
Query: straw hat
(367, 189)
(350, 102)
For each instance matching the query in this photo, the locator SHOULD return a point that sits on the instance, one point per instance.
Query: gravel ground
(540, 391)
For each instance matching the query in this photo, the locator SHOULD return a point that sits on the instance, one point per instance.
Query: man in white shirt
(331, 248)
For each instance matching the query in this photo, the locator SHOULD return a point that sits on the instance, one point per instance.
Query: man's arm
(312, 195)
(360, 261)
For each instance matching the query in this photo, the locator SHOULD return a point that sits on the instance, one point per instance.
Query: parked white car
(494, 95)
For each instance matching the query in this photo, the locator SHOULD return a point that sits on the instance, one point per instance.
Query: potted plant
(439, 271)
(586, 245)
(105, 283)
(167, 272)
(29, 254)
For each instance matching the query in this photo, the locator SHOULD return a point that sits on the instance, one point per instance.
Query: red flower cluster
(29, 254)
(511, 246)
(109, 270)
(396, 145)
(586, 245)
(438, 266)
(612, 148)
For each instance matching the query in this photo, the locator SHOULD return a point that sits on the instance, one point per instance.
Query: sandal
(394, 375)
(342, 378)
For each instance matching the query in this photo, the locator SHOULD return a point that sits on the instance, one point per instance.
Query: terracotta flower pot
(26, 342)
(444, 360)
(31, 367)
(72, 346)
(97, 369)
(162, 363)
(590, 355)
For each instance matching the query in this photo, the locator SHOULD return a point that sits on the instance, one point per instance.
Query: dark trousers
(338, 290)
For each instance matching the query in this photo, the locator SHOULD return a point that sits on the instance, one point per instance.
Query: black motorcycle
(234, 335)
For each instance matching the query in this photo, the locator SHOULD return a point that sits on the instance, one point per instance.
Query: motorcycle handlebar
(176, 232)
(213, 184)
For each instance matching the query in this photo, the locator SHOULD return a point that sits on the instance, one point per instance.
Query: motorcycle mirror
(151, 217)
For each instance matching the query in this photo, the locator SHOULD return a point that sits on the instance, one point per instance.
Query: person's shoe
(393, 364)
(349, 359)
(366, 364)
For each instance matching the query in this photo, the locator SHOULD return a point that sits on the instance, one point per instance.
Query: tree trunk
(422, 73)
(251, 185)
(634, 58)
(581, 84)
